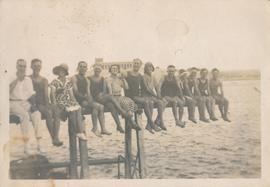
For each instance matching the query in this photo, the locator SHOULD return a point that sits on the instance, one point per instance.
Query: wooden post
(128, 150)
(140, 147)
(72, 150)
(84, 159)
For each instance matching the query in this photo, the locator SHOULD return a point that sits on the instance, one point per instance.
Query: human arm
(12, 85)
(108, 86)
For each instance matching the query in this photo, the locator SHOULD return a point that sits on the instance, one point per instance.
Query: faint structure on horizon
(128, 65)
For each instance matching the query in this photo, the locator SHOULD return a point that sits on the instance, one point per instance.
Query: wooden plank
(140, 147)
(73, 172)
(128, 150)
(66, 164)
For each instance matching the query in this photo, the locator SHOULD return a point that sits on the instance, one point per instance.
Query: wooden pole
(140, 147)
(84, 159)
(128, 150)
(73, 173)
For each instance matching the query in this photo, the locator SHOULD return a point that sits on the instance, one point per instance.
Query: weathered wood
(140, 147)
(128, 150)
(84, 159)
(73, 172)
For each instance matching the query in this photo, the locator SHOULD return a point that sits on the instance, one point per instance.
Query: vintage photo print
(162, 93)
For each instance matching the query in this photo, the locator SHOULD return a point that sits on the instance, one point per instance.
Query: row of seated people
(79, 95)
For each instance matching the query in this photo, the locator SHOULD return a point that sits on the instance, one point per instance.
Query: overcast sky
(228, 34)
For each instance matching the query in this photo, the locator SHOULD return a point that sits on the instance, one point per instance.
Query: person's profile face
(114, 70)
(171, 71)
(82, 68)
(36, 66)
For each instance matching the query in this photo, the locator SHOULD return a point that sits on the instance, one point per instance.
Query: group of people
(33, 98)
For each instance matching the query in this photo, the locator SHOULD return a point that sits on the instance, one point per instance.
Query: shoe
(193, 120)
(57, 143)
(205, 120)
(81, 136)
(154, 126)
(161, 125)
(213, 119)
(120, 129)
(226, 119)
(149, 128)
(96, 132)
(106, 132)
(180, 124)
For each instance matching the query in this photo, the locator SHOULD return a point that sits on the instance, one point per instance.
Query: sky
(227, 34)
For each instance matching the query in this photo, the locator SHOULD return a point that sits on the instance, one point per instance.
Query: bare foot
(96, 132)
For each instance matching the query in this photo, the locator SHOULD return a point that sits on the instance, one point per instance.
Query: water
(215, 150)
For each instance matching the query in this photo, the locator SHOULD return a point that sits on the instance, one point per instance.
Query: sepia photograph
(145, 90)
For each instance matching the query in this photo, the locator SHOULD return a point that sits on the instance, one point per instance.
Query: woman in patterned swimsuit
(115, 86)
(62, 96)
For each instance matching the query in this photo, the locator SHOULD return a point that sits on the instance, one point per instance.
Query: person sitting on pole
(187, 96)
(115, 85)
(81, 89)
(204, 88)
(200, 101)
(98, 89)
(134, 80)
(149, 91)
(47, 110)
(216, 88)
(23, 104)
(170, 91)
(63, 97)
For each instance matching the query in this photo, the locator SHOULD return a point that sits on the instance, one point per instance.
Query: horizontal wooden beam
(121, 159)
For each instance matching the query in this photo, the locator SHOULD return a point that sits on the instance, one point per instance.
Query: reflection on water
(215, 150)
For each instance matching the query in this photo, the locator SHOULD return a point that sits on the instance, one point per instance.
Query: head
(183, 74)
(97, 69)
(149, 68)
(171, 70)
(137, 63)
(61, 70)
(82, 67)
(114, 69)
(36, 65)
(193, 74)
(21, 67)
(215, 73)
(204, 73)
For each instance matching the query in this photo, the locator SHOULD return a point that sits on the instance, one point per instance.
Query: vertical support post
(84, 159)
(84, 156)
(128, 150)
(72, 149)
(140, 147)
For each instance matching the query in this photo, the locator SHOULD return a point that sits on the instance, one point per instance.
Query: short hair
(35, 60)
(81, 62)
(214, 69)
(171, 66)
(148, 64)
(137, 59)
(181, 71)
(110, 68)
(20, 60)
(202, 70)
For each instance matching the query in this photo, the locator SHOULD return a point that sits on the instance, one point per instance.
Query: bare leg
(226, 108)
(191, 109)
(201, 108)
(115, 116)
(94, 117)
(101, 118)
(159, 121)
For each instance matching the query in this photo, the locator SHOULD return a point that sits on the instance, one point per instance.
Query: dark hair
(19, 60)
(148, 64)
(81, 62)
(110, 68)
(170, 66)
(215, 69)
(202, 70)
(35, 60)
(181, 71)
